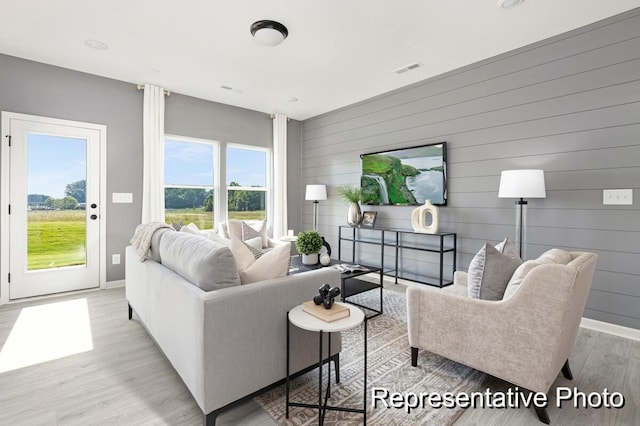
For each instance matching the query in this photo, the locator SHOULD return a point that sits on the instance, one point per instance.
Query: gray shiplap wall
(569, 105)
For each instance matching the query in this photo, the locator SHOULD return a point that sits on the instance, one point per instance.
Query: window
(190, 181)
(247, 182)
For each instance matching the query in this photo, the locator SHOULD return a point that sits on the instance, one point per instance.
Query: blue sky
(53, 162)
(190, 163)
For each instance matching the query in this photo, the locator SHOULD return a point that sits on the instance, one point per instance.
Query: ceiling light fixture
(96, 44)
(269, 33)
(506, 4)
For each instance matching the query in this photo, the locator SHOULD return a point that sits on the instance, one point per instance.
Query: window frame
(217, 211)
(268, 188)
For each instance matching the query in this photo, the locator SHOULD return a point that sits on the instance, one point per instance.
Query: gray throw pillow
(489, 272)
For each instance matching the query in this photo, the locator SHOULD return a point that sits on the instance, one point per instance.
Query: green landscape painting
(407, 176)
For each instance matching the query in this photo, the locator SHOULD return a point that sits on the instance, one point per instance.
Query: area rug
(389, 367)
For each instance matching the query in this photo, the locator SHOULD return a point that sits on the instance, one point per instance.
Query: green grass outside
(205, 220)
(56, 238)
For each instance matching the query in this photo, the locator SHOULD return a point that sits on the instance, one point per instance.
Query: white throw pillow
(255, 229)
(191, 228)
(244, 257)
(272, 264)
(255, 245)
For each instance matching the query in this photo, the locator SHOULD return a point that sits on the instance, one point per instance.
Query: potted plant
(308, 245)
(353, 196)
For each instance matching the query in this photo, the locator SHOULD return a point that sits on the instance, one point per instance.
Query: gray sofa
(226, 344)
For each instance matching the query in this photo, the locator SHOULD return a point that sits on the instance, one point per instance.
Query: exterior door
(54, 211)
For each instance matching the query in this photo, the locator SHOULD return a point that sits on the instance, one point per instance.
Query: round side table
(299, 318)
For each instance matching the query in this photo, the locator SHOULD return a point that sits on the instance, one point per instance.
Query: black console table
(443, 243)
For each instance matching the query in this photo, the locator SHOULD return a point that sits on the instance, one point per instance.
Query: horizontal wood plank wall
(569, 105)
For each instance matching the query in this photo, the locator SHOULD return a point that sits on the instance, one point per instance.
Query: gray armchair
(524, 339)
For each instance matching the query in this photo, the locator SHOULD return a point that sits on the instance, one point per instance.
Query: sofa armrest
(460, 278)
(242, 321)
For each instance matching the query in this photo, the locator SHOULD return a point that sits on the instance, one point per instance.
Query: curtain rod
(272, 116)
(141, 87)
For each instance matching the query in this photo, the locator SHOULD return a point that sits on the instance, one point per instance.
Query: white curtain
(279, 176)
(153, 153)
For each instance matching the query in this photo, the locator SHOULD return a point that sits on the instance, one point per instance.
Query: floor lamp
(522, 184)
(316, 193)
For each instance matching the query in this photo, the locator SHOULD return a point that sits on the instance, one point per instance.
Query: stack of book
(329, 315)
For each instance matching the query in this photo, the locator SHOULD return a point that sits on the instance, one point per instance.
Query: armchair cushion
(489, 272)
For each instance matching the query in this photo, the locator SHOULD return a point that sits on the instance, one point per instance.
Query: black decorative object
(326, 296)
(326, 244)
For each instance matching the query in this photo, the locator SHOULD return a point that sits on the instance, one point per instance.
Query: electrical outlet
(115, 259)
(617, 197)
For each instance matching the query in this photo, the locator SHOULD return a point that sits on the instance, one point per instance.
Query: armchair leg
(414, 357)
(566, 371)
(542, 414)
(130, 311)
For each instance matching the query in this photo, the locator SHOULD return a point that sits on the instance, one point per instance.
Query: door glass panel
(56, 203)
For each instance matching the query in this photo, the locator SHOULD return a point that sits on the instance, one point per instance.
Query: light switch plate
(617, 197)
(122, 197)
(115, 259)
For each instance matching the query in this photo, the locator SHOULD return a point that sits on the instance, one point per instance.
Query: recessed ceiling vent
(406, 68)
(226, 87)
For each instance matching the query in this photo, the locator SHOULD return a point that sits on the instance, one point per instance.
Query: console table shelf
(443, 243)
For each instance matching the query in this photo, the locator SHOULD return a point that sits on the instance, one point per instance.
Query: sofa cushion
(489, 273)
(198, 260)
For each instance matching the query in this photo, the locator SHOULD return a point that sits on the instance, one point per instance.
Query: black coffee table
(350, 283)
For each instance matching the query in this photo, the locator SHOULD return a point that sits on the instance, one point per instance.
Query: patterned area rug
(389, 367)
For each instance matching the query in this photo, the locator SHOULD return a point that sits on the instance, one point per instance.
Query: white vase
(419, 218)
(354, 216)
(310, 259)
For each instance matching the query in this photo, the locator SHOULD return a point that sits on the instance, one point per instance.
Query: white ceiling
(338, 51)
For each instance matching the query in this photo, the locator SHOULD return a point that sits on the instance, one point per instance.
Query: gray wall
(569, 105)
(34, 88)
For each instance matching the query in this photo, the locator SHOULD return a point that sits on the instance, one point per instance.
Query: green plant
(308, 242)
(350, 194)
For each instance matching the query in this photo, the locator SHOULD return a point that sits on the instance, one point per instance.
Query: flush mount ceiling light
(506, 4)
(269, 33)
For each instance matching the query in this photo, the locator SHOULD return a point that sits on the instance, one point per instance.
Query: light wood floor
(125, 380)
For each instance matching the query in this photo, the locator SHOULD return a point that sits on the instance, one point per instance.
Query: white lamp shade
(522, 184)
(316, 192)
(268, 37)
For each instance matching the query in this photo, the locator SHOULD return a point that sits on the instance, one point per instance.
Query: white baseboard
(605, 327)
(114, 284)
